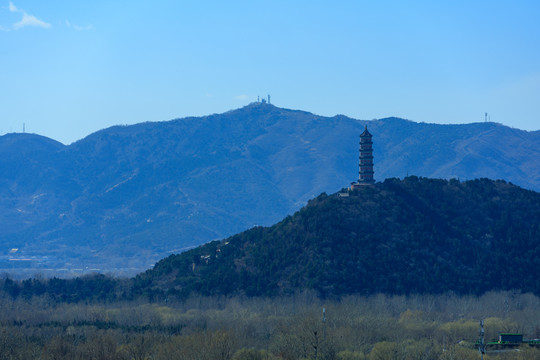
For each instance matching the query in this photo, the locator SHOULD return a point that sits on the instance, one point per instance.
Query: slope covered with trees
(415, 235)
(124, 197)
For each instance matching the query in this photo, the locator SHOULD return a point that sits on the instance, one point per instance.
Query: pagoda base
(358, 185)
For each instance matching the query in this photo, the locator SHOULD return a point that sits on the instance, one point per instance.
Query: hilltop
(124, 197)
(415, 235)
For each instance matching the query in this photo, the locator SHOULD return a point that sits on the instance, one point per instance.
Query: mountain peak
(27, 142)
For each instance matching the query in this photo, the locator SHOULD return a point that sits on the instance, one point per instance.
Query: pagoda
(365, 173)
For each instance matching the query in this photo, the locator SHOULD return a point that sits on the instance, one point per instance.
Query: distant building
(510, 338)
(365, 173)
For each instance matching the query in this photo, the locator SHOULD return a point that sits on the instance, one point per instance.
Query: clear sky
(69, 68)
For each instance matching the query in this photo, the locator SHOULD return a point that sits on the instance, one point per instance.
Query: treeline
(290, 328)
(88, 288)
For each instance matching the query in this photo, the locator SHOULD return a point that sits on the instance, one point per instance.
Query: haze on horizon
(68, 69)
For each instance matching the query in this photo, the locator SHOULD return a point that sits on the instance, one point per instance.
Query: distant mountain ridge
(125, 197)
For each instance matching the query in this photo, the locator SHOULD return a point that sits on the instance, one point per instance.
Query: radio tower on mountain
(365, 173)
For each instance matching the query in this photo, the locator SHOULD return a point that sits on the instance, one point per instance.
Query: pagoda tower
(365, 174)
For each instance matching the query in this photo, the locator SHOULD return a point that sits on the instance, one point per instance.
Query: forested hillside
(415, 235)
(125, 197)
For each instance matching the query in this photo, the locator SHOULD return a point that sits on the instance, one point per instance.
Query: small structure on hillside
(510, 338)
(365, 173)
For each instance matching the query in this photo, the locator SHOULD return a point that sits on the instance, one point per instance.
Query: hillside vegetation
(403, 269)
(124, 197)
(415, 235)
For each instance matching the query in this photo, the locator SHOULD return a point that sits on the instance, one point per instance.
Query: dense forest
(416, 235)
(404, 269)
(410, 236)
(302, 326)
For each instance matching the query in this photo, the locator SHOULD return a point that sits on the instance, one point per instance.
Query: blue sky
(69, 68)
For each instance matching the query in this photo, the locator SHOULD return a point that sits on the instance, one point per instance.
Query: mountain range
(124, 197)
